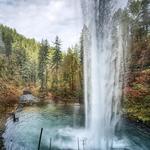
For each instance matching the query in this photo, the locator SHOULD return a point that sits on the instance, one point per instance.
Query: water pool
(64, 125)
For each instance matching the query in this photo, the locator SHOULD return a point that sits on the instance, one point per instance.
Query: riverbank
(137, 122)
(2, 128)
(4, 114)
(138, 114)
(9, 98)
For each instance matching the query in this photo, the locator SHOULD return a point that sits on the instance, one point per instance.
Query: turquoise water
(65, 126)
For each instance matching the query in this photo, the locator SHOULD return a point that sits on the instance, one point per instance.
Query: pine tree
(81, 57)
(7, 39)
(56, 60)
(43, 60)
(145, 15)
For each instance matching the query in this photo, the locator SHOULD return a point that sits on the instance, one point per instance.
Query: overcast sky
(44, 19)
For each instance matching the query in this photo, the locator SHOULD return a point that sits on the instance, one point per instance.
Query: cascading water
(103, 67)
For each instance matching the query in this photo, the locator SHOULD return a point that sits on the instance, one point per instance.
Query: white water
(104, 68)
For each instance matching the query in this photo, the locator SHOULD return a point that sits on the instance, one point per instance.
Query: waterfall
(103, 71)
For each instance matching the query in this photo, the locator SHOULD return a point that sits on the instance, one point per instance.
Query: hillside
(43, 68)
(137, 91)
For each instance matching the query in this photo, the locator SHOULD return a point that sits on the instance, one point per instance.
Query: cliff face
(137, 91)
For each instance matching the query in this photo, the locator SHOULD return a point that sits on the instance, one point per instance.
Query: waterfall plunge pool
(65, 126)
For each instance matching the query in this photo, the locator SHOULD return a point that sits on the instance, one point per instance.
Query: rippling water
(65, 125)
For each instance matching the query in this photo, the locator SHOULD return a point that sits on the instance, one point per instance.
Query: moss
(146, 71)
(137, 112)
(137, 86)
(147, 99)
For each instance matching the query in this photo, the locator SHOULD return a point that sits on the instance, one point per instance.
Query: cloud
(44, 19)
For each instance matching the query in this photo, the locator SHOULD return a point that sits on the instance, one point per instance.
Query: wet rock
(28, 98)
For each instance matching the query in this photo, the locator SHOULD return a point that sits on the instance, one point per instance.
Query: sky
(44, 19)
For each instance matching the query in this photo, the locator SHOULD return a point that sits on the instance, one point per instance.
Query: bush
(147, 99)
(137, 86)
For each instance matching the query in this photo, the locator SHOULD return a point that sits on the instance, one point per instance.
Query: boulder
(28, 98)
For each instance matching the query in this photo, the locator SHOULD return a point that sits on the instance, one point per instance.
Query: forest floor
(10, 92)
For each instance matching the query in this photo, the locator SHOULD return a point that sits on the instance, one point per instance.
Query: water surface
(65, 125)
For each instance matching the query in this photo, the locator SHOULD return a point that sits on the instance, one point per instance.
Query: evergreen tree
(145, 15)
(81, 57)
(7, 39)
(56, 60)
(139, 11)
(43, 60)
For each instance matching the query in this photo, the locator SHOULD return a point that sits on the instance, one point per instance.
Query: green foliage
(71, 66)
(139, 10)
(7, 39)
(56, 62)
(22, 54)
(36, 63)
(135, 25)
(147, 99)
(137, 86)
(135, 7)
(43, 60)
(57, 54)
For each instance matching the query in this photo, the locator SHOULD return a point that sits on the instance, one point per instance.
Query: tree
(2, 45)
(135, 8)
(145, 15)
(56, 59)
(81, 56)
(139, 11)
(7, 39)
(43, 60)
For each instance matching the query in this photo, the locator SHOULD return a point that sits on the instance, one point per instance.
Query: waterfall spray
(103, 68)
